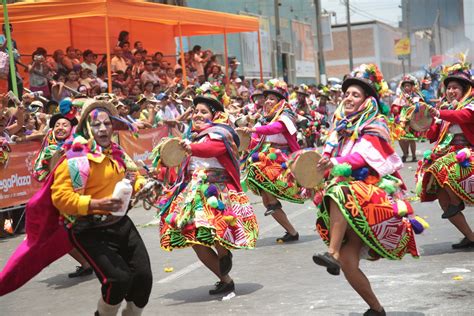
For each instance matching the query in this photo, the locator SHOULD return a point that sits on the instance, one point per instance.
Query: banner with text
(17, 184)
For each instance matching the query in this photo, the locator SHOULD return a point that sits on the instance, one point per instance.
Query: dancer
(267, 174)
(208, 209)
(110, 243)
(446, 171)
(403, 107)
(61, 131)
(361, 207)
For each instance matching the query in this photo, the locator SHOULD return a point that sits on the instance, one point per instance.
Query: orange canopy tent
(95, 24)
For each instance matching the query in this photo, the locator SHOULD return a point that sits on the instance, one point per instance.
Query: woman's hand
(247, 130)
(324, 164)
(434, 112)
(109, 205)
(186, 146)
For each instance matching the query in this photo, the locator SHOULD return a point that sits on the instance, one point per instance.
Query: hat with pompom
(459, 71)
(369, 77)
(212, 95)
(276, 87)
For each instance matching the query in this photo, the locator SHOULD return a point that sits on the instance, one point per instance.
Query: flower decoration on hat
(410, 79)
(372, 75)
(458, 71)
(276, 86)
(215, 92)
(67, 109)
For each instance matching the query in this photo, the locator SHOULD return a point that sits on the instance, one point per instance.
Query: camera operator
(39, 72)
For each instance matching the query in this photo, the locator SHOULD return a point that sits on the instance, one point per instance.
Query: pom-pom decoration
(342, 170)
(213, 202)
(211, 191)
(255, 157)
(272, 156)
(360, 174)
(220, 206)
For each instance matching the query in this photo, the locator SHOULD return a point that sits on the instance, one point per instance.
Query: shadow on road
(62, 281)
(440, 249)
(271, 241)
(201, 293)
(395, 314)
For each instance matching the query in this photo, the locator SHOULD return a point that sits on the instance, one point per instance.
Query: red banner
(140, 148)
(17, 184)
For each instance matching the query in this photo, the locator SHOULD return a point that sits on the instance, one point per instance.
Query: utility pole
(438, 17)
(322, 64)
(349, 36)
(407, 15)
(279, 62)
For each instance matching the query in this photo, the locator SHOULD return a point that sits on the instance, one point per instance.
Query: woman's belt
(94, 221)
(213, 176)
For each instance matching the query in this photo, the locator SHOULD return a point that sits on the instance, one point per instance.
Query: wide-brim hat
(210, 100)
(461, 77)
(301, 90)
(274, 92)
(366, 84)
(56, 117)
(89, 106)
(409, 79)
(256, 93)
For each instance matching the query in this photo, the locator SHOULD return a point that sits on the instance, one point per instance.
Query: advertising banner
(17, 184)
(140, 148)
(304, 49)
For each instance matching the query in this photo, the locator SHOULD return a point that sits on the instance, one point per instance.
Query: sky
(387, 11)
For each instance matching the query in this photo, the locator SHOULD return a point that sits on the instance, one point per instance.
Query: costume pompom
(220, 206)
(417, 226)
(261, 156)
(387, 185)
(422, 222)
(211, 191)
(283, 165)
(427, 154)
(342, 170)
(361, 173)
(230, 219)
(465, 164)
(255, 157)
(213, 202)
(272, 156)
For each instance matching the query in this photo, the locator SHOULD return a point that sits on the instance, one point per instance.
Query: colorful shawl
(367, 120)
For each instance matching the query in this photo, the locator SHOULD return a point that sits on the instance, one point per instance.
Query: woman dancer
(267, 174)
(109, 242)
(362, 205)
(208, 209)
(409, 98)
(446, 171)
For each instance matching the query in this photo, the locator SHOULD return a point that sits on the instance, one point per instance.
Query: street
(273, 279)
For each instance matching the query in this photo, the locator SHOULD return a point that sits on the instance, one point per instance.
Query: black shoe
(465, 243)
(373, 312)
(287, 237)
(413, 159)
(222, 288)
(327, 260)
(452, 210)
(225, 264)
(80, 271)
(404, 158)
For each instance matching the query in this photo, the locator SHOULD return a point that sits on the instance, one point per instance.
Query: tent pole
(181, 55)
(107, 48)
(226, 59)
(10, 49)
(260, 55)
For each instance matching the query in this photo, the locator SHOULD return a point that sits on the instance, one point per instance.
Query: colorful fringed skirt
(452, 167)
(208, 210)
(268, 171)
(386, 225)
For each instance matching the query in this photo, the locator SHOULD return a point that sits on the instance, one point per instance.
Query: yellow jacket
(103, 175)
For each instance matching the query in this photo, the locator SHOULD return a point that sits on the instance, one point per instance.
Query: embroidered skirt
(205, 212)
(373, 215)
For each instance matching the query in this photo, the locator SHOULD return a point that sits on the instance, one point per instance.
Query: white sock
(132, 310)
(105, 309)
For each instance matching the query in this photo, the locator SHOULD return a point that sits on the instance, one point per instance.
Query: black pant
(120, 260)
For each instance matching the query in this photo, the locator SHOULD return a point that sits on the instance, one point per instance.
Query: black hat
(210, 100)
(59, 116)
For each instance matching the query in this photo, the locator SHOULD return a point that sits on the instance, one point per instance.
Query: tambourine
(245, 139)
(302, 164)
(421, 120)
(171, 152)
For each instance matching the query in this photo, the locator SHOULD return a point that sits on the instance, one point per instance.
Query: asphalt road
(274, 279)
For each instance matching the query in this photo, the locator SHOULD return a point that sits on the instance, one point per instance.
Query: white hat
(238, 80)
